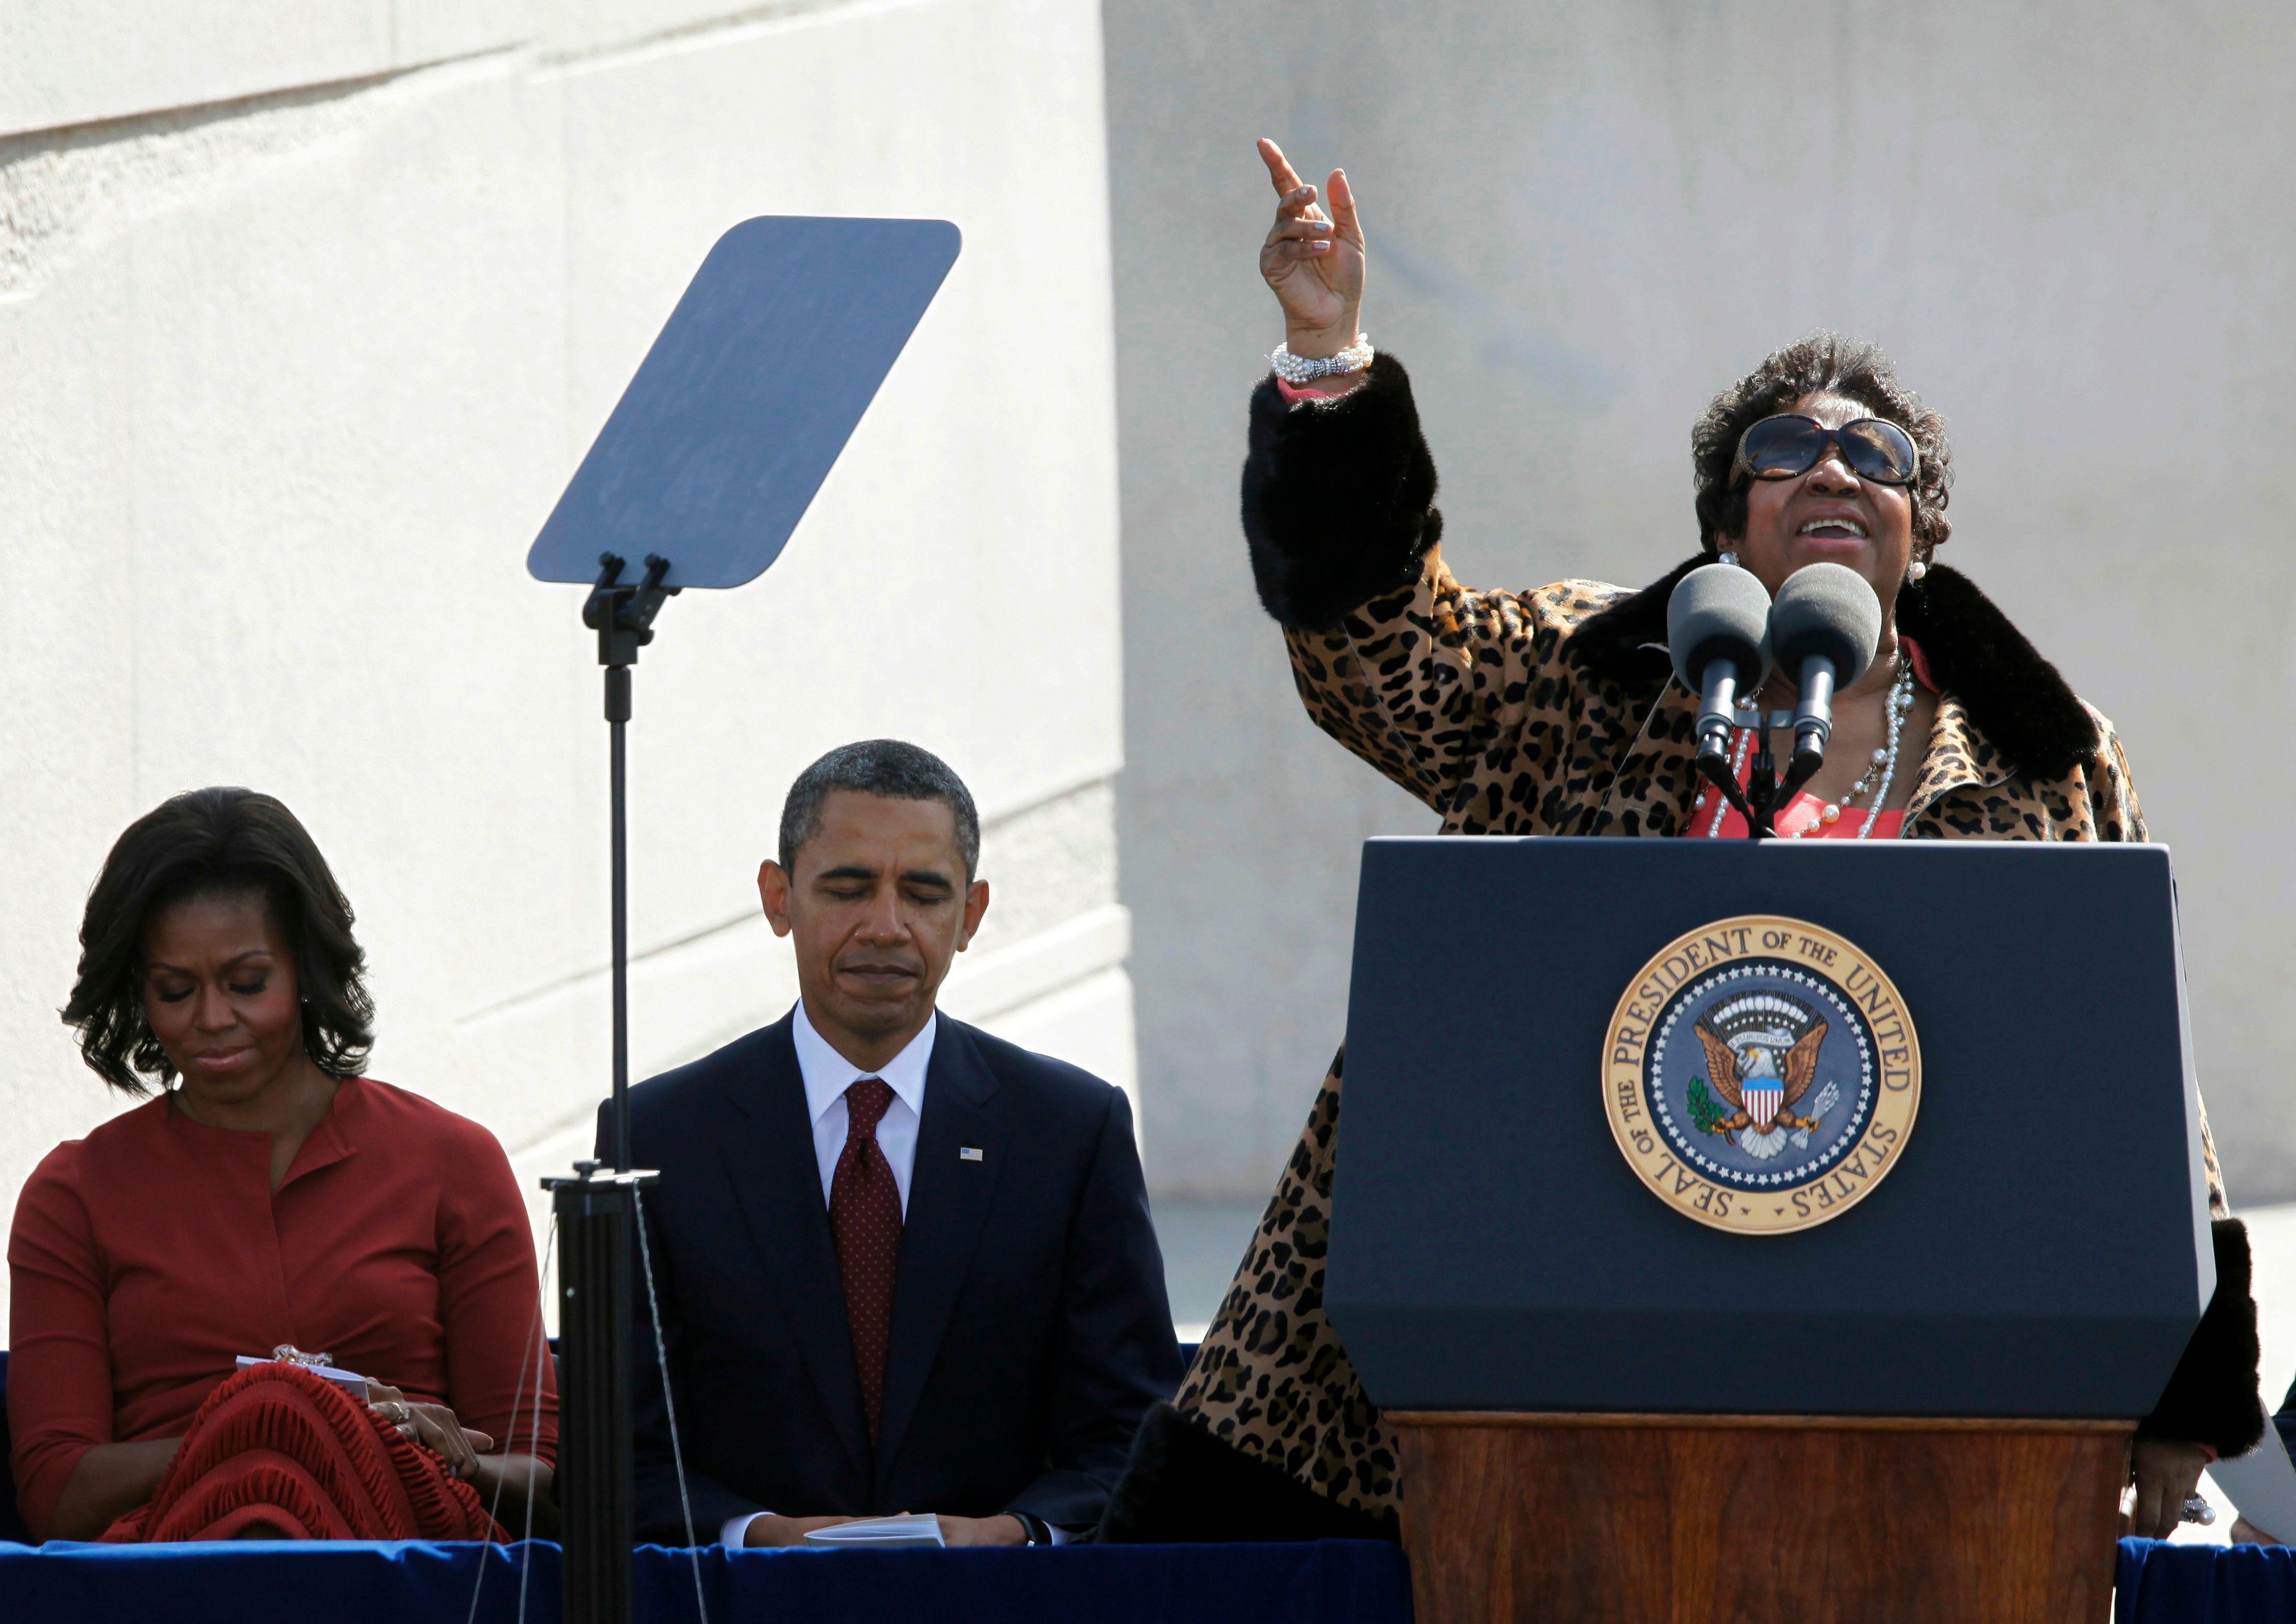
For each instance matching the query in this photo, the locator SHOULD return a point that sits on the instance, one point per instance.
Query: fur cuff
(1183, 1486)
(1338, 499)
(2212, 1398)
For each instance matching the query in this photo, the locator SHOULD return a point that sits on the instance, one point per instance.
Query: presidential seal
(1761, 1075)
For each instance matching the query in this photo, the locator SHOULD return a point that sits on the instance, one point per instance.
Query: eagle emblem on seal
(1760, 1074)
(1762, 1057)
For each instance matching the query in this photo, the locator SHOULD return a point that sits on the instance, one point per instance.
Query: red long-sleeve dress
(146, 1257)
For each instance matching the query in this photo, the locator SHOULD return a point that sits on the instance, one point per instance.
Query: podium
(1770, 1231)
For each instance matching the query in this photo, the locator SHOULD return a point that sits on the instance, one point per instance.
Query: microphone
(1824, 629)
(1717, 632)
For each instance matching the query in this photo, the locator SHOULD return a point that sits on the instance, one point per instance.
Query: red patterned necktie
(865, 1210)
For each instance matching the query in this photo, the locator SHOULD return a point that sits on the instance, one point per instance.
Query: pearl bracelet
(1296, 370)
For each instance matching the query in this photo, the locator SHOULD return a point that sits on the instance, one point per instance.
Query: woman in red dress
(268, 1196)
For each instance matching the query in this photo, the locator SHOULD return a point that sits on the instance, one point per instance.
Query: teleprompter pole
(594, 1480)
(595, 1207)
(618, 717)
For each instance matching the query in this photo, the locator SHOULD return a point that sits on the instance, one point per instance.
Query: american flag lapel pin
(968, 1152)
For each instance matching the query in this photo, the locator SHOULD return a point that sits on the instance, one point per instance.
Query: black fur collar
(2016, 698)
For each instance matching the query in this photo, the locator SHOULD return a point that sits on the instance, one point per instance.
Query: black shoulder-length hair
(1823, 364)
(202, 843)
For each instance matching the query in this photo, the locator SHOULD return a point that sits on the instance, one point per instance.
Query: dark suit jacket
(1031, 1329)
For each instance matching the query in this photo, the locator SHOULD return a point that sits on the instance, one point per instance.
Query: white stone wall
(307, 313)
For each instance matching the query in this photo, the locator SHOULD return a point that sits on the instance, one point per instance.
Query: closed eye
(243, 989)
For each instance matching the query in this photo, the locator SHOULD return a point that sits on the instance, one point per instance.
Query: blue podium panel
(741, 408)
(2039, 1248)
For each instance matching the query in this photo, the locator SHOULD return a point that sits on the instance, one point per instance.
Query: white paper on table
(879, 1533)
(351, 1381)
(2261, 1485)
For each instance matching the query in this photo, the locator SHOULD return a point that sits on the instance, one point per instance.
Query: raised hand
(1313, 260)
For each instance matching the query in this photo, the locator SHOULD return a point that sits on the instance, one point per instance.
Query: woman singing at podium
(1554, 711)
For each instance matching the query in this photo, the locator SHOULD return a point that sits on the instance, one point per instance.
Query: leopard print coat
(1484, 706)
(1545, 712)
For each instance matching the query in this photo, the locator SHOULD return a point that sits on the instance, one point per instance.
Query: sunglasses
(1789, 445)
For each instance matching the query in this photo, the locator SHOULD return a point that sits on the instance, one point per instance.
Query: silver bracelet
(1296, 370)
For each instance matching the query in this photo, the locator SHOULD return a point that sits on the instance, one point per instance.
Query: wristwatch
(1039, 1531)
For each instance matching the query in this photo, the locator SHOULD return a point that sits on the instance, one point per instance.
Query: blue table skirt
(2203, 1584)
(1333, 1582)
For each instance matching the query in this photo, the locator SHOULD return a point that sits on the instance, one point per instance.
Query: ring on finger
(398, 1413)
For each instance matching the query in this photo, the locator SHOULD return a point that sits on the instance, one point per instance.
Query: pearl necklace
(1737, 776)
(1901, 700)
(1884, 764)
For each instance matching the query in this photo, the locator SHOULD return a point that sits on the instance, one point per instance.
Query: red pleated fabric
(277, 1452)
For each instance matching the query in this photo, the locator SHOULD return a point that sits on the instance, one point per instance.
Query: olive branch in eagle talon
(1703, 1111)
(1798, 1072)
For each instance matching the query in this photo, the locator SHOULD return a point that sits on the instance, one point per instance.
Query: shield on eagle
(1761, 1053)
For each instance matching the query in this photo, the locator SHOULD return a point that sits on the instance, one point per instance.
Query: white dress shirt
(827, 1075)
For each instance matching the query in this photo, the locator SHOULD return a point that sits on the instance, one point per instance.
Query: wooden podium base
(1772, 1520)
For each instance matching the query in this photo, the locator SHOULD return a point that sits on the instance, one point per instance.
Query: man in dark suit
(902, 1266)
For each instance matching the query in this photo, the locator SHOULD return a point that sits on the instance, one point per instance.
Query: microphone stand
(596, 1208)
(1762, 787)
(1813, 724)
(1758, 803)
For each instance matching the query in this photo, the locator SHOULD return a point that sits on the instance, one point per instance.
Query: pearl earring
(1914, 571)
(1729, 558)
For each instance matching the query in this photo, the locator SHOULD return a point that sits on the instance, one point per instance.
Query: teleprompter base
(1800, 1520)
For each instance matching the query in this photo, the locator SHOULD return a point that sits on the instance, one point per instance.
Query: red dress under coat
(146, 1257)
